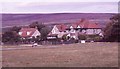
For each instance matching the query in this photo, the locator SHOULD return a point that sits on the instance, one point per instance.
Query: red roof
(25, 30)
(93, 25)
(74, 25)
(61, 27)
(84, 23)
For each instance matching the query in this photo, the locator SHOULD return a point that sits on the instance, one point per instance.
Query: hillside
(25, 19)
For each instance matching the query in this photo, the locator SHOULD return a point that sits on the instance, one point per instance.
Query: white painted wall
(89, 31)
(60, 34)
(98, 31)
(55, 30)
(36, 33)
(83, 31)
(93, 31)
(72, 31)
(20, 33)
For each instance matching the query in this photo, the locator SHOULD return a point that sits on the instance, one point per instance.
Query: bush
(98, 38)
(65, 37)
(93, 37)
(82, 37)
(10, 37)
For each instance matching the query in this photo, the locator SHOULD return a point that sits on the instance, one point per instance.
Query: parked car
(34, 44)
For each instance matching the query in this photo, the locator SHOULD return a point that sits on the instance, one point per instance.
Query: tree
(37, 25)
(44, 32)
(15, 28)
(112, 30)
(40, 26)
(10, 37)
(33, 25)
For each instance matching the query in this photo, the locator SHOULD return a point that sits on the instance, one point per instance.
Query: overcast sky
(59, 6)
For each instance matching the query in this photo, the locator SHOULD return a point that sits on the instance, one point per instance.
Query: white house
(72, 30)
(91, 28)
(88, 27)
(57, 30)
(29, 32)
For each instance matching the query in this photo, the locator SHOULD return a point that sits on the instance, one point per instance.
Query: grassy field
(70, 55)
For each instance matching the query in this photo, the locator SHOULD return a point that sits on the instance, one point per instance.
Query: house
(73, 35)
(29, 32)
(88, 27)
(83, 26)
(57, 31)
(91, 28)
(72, 31)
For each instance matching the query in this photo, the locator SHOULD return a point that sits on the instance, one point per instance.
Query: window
(71, 27)
(78, 26)
(28, 33)
(20, 33)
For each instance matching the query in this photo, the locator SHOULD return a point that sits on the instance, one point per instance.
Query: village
(82, 43)
(59, 34)
(79, 32)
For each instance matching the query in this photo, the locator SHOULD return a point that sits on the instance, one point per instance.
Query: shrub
(10, 37)
(94, 37)
(82, 37)
(65, 37)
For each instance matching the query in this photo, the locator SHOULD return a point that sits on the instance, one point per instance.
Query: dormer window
(20, 33)
(78, 26)
(28, 33)
(71, 27)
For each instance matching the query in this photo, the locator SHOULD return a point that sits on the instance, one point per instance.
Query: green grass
(71, 55)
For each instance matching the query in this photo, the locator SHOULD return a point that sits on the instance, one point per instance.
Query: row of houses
(72, 30)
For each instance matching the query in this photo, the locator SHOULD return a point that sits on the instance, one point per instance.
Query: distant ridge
(25, 19)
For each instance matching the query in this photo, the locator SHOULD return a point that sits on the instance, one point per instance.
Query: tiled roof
(61, 27)
(72, 25)
(83, 23)
(87, 24)
(93, 25)
(25, 30)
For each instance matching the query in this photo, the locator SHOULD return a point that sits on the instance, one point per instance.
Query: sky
(59, 6)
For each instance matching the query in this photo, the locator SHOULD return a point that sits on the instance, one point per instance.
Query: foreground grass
(72, 55)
